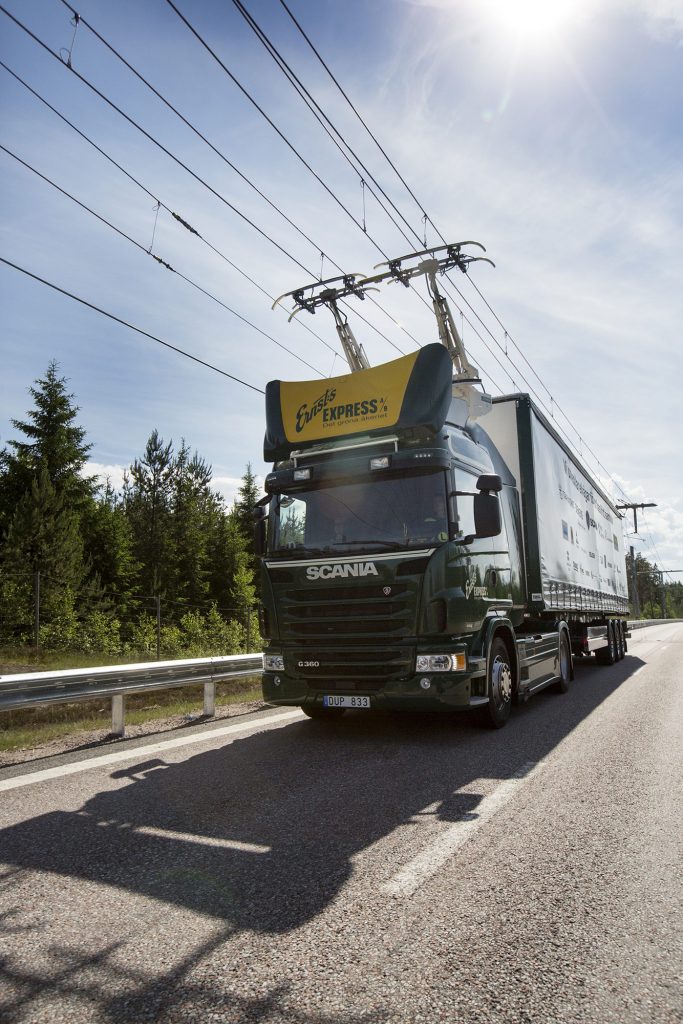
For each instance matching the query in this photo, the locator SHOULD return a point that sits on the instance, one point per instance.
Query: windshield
(383, 514)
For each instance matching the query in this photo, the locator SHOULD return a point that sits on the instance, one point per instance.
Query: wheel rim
(501, 682)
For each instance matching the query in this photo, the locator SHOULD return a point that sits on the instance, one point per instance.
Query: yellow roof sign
(412, 391)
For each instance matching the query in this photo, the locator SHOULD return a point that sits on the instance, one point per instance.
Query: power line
(382, 151)
(163, 205)
(245, 178)
(154, 141)
(124, 323)
(245, 92)
(158, 259)
(197, 177)
(328, 127)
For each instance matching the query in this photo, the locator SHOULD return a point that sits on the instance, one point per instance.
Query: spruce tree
(43, 538)
(147, 501)
(192, 506)
(43, 495)
(55, 443)
(243, 509)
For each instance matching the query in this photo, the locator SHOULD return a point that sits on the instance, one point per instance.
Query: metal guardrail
(641, 623)
(35, 689)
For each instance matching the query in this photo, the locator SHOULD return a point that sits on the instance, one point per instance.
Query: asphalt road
(382, 869)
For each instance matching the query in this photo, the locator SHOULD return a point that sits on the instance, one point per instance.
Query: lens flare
(530, 18)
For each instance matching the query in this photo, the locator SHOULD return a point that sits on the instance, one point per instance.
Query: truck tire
(321, 714)
(565, 666)
(608, 655)
(497, 711)
(619, 638)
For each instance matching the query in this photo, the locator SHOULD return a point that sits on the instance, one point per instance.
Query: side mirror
(489, 482)
(259, 516)
(487, 521)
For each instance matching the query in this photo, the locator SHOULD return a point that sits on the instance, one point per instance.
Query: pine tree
(147, 501)
(243, 509)
(42, 498)
(55, 443)
(108, 541)
(192, 506)
(43, 537)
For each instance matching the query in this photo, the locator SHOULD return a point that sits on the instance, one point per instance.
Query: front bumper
(447, 691)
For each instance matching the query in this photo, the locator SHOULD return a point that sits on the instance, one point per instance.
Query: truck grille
(348, 612)
(339, 668)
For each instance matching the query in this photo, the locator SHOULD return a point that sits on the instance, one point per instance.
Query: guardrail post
(210, 698)
(118, 714)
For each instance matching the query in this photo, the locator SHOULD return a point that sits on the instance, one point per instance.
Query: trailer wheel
(608, 655)
(565, 659)
(620, 641)
(319, 713)
(497, 711)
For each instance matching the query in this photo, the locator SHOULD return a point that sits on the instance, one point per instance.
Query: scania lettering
(451, 552)
(326, 572)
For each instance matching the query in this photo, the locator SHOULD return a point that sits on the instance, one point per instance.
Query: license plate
(346, 702)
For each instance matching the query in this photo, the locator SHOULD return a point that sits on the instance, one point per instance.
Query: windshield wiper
(297, 552)
(391, 545)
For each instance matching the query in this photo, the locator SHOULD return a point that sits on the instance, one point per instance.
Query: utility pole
(634, 576)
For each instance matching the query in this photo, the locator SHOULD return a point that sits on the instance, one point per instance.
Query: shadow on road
(259, 834)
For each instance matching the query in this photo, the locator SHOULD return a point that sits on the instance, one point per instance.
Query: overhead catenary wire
(132, 327)
(194, 174)
(155, 198)
(325, 122)
(245, 92)
(381, 149)
(153, 140)
(158, 259)
(245, 178)
(177, 160)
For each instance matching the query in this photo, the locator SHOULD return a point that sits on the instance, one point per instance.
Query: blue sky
(558, 146)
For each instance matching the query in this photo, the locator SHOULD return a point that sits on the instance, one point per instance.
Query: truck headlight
(441, 663)
(273, 663)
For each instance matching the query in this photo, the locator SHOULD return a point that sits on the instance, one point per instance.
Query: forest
(160, 568)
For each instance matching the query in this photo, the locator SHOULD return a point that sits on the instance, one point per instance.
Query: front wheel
(497, 711)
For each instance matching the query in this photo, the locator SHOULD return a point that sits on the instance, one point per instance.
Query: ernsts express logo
(330, 413)
(344, 570)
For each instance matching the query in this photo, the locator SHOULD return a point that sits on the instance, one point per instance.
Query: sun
(530, 19)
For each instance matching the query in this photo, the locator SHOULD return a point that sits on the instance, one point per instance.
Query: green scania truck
(418, 554)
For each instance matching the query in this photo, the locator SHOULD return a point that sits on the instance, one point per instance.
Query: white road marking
(134, 753)
(187, 837)
(429, 860)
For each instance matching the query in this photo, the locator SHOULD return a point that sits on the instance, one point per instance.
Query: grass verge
(21, 730)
